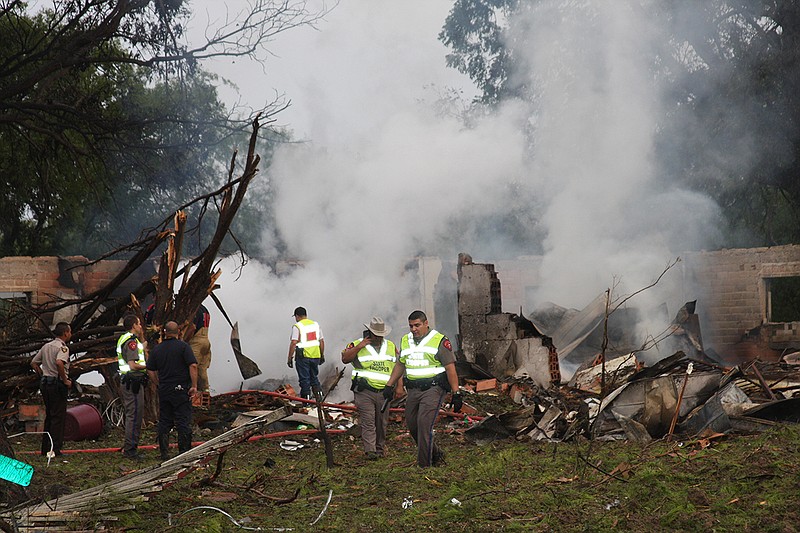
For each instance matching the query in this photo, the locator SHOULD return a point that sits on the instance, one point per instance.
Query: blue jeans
(307, 372)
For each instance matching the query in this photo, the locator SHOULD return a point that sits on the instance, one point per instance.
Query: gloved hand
(290, 363)
(388, 392)
(322, 359)
(457, 401)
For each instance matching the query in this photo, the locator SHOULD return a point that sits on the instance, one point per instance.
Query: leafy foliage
(106, 119)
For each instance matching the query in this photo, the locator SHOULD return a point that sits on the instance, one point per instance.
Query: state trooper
(373, 357)
(427, 366)
(51, 362)
(133, 380)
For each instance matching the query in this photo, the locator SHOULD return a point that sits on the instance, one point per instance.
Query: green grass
(736, 484)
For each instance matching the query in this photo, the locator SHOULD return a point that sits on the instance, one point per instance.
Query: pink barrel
(83, 422)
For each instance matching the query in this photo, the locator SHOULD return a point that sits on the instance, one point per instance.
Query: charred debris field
(717, 483)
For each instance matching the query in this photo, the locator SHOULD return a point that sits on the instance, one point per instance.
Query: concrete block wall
(38, 276)
(478, 290)
(44, 278)
(732, 289)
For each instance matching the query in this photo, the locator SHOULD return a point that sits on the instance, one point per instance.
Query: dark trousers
(134, 410)
(373, 423)
(174, 410)
(307, 374)
(422, 408)
(54, 394)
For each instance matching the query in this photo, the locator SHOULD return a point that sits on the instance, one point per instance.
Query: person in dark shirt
(173, 367)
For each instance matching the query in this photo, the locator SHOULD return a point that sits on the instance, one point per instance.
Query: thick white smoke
(381, 178)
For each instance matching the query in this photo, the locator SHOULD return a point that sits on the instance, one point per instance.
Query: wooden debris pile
(98, 504)
(95, 324)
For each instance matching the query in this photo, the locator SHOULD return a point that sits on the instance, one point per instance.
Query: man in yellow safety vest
(373, 357)
(133, 379)
(428, 368)
(307, 349)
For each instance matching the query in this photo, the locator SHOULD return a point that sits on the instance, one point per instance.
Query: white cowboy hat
(378, 327)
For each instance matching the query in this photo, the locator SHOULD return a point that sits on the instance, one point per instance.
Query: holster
(361, 384)
(134, 381)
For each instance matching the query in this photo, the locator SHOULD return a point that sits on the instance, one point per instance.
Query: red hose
(344, 407)
(198, 443)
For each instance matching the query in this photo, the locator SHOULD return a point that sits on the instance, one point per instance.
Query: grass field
(731, 483)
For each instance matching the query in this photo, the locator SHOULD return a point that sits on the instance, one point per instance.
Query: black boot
(163, 445)
(184, 442)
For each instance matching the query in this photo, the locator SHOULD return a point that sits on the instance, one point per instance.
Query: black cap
(300, 311)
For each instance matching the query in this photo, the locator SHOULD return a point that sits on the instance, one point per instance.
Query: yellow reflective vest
(124, 367)
(420, 359)
(376, 365)
(309, 338)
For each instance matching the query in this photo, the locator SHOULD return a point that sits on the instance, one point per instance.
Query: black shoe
(371, 456)
(438, 459)
(163, 446)
(133, 457)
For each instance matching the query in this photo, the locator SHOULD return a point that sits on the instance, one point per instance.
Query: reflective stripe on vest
(376, 367)
(309, 338)
(420, 359)
(123, 363)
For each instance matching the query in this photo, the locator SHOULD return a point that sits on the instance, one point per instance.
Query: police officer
(173, 366)
(427, 365)
(307, 347)
(133, 378)
(373, 358)
(52, 364)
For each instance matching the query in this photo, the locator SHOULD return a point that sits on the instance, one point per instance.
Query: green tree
(731, 69)
(105, 115)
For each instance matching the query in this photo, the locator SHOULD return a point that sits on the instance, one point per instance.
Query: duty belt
(360, 384)
(421, 384)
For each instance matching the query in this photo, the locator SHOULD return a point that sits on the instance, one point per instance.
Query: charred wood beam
(97, 298)
(201, 282)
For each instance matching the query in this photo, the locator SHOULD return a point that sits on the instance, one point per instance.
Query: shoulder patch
(64, 349)
(447, 344)
(132, 345)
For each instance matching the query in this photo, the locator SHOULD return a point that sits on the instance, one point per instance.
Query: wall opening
(783, 299)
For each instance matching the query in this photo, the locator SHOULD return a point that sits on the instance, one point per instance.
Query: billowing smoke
(383, 178)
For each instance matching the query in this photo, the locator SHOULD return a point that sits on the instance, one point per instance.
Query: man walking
(307, 348)
(173, 366)
(428, 366)
(52, 364)
(133, 380)
(373, 358)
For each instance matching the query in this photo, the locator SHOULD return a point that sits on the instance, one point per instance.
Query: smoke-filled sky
(382, 177)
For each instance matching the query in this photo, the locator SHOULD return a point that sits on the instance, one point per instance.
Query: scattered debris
(138, 485)
(330, 495)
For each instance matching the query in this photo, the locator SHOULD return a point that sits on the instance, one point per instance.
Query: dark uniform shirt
(202, 318)
(171, 359)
